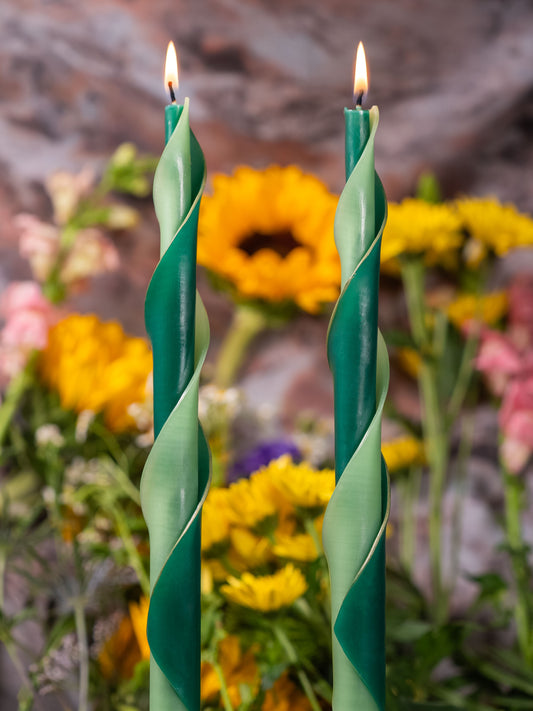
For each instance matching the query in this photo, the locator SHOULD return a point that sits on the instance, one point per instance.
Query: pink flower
(23, 296)
(39, 244)
(515, 454)
(92, 253)
(28, 316)
(26, 330)
(521, 303)
(516, 423)
(498, 359)
(507, 361)
(66, 190)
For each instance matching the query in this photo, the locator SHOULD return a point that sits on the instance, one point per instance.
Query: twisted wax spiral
(356, 516)
(176, 475)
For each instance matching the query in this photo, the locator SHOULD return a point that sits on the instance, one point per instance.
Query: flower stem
(3, 565)
(300, 673)
(247, 323)
(410, 491)
(461, 481)
(131, 549)
(81, 633)
(224, 694)
(513, 491)
(464, 377)
(15, 390)
(433, 424)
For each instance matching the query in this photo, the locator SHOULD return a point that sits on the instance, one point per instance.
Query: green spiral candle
(356, 516)
(175, 479)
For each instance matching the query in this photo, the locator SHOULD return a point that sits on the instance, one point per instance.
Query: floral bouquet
(76, 428)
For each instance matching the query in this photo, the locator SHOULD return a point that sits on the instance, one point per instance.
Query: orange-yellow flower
(237, 668)
(95, 366)
(139, 619)
(285, 696)
(120, 653)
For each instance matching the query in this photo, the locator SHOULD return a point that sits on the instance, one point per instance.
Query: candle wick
(172, 94)
(359, 99)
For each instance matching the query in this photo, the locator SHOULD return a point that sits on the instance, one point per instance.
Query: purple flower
(260, 456)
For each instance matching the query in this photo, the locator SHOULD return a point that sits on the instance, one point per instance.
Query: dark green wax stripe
(357, 124)
(352, 354)
(171, 298)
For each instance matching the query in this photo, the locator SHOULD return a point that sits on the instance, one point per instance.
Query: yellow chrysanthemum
(216, 518)
(213, 570)
(417, 227)
(139, 619)
(268, 592)
(492, 226)
(300, 483)
(95, 366)
(488, 309)
(403, 452)
(299, 547)
(248, 550)
(252, 500)
(237, 668)
(285, 696)
(270, 234)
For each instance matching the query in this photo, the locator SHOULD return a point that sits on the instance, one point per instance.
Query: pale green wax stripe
(171, 209)
(355, 210)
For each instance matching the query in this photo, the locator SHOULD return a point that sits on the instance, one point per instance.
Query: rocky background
(268, 81)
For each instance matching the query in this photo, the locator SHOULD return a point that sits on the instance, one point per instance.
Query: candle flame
(171, 69)
(360, 82)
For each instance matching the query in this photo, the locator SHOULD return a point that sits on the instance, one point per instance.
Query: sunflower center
(281, 242)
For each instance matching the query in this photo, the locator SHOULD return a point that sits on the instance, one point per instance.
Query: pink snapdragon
(499, 359)
(27, 317)
(39, 243)
(506, 359)
(92, 253)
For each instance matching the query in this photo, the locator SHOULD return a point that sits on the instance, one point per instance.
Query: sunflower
(269, 235)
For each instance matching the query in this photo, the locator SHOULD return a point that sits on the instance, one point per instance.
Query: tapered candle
(175, 478)
(356, 516)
